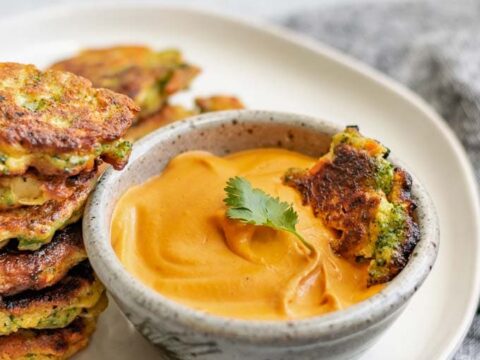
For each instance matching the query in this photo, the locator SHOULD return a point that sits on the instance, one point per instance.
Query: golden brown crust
(56, 187)
(55, 112)
(61, 294)
(26, 270)
(181, 78)
(171, 113)
(34, 226)
(336, 190)
(46, 188)
(53, 307)
(365, 201)
(146, 76)
(167, 115)
(218, 103)
(52, 344)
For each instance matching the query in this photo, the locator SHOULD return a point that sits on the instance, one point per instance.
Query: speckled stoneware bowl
(184, 333)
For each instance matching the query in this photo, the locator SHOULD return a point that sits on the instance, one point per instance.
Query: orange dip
(171, 233)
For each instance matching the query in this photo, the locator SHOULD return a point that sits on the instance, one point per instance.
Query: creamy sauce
(171, 232)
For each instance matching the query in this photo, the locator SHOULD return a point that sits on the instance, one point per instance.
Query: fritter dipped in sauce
(182, 244)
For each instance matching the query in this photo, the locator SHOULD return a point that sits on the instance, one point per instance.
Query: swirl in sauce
(171, 233)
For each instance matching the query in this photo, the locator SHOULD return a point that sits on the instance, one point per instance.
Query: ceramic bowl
(184, 333)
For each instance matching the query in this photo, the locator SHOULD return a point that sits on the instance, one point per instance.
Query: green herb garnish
(254, 206)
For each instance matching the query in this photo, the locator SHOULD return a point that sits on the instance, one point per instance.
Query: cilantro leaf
(254, 206)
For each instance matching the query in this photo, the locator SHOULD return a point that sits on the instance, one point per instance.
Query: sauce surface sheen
(171, 232)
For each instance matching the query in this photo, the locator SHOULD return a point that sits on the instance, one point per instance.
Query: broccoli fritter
(166, 115)
(171, 113)
(34, 226)
(366, 202)
(32, 188)
(35, 270)
(148, 77)
(52, 344)
(53, 307)
(58, 123)
(218, 103)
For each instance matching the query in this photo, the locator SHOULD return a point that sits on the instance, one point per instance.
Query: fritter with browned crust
(167, 114)
(33, 188)
(218, 103)
(146, 76)
(365, 200)
(53, 307)
(58, 123)
(34, 226)
(171, 113)
(35, 270)
(52, 344)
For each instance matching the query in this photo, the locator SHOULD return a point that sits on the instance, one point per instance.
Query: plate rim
(326, 51)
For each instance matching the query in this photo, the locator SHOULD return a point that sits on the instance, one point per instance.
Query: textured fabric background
(431, 46)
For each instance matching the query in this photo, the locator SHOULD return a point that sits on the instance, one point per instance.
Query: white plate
(273, 69)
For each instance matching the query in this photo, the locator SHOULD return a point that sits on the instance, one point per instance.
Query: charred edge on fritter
(58, 112)
(57, 123)
(52, 344)
(33, 188)
(401, 194)
(34, 226)
(63, 291)
(146, 76)
(23, 270)
(365, 200)
(53, 307)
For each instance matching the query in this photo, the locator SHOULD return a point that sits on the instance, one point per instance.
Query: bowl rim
(327, 327)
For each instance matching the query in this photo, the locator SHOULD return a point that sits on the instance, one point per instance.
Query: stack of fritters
(149, 78)
(55, 130)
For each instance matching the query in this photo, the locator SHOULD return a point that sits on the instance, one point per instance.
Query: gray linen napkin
(431, 46)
